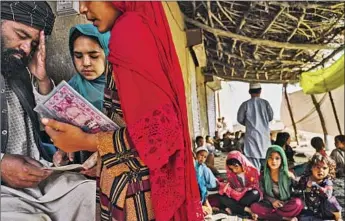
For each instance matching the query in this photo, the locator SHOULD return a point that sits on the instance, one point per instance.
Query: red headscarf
(151, 90)
(251, 175)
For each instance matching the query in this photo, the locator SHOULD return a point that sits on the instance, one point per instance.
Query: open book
(67, 105)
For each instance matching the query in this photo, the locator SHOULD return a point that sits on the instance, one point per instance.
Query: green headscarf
(284, 182)
(93, 91)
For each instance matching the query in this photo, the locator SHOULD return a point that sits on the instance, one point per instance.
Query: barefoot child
(242, 188)
(205, 177)
(316, 184)
(276, 184)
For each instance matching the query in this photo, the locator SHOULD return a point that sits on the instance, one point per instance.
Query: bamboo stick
(253, 79)
(290, 112)
(335, 112)
(254, 41)
(212, 61)
(225, 13)
(338, 50)
(245, 74)
(322, 120)
(272, 22)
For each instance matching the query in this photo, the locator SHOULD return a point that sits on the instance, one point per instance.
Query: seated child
(318, 144)
(338, 155)
(206, 179)
(276, 184)
(242, 188)
(317, 189)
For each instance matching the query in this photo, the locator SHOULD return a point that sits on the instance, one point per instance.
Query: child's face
(201, 156)
(320, 171)
(237, 169)
(339, 144)
(200, 142)
(274, 161)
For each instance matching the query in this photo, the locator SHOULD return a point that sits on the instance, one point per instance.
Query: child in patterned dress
(317, 188)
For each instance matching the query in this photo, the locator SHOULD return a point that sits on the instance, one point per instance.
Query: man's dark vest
(3, 115)
(4, 122)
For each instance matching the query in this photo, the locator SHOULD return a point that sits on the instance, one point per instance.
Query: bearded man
(28, 190)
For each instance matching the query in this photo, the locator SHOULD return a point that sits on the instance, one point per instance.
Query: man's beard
(11, 66)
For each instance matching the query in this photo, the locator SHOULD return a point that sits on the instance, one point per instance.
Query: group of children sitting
(276, 193)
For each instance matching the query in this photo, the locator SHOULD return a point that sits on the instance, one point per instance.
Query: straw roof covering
(272, 42)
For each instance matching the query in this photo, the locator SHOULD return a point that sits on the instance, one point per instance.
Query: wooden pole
(218, 101)
(322, 120)
(208, 118)
(291, 114)
(335, 112)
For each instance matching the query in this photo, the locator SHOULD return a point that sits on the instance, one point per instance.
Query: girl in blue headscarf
(89, 51)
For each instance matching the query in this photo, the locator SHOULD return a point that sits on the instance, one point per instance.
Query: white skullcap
(201, 149)
(254, 86)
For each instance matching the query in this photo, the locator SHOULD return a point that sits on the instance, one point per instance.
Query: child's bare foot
(337, 216)
(254, 216)
(215, 209)
(228, 211)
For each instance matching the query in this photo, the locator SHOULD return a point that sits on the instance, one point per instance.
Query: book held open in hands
(66, 105)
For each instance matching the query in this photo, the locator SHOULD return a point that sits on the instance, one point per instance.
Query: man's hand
(62, 158)
(19, 171)
(37, 66)
(68, 137)
(90, 172)
(90, 166)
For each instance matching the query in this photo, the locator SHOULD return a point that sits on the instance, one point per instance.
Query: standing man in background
(255, 114)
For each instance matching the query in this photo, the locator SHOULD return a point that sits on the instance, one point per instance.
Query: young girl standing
(276, 184)
(317, 188)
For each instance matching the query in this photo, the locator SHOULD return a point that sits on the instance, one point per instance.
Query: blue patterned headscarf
(93, 91)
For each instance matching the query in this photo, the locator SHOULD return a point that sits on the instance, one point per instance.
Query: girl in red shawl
(242, 188)
(146, 167)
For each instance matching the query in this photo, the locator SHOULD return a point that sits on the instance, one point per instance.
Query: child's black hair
(198, 138)
(340, 138)
(282, 138)
(233, 162)
(317, 143)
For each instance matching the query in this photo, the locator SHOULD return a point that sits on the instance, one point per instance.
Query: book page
(75, 167)
(67, 105)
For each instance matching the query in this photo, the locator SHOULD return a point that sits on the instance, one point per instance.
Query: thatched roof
(266, 41)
